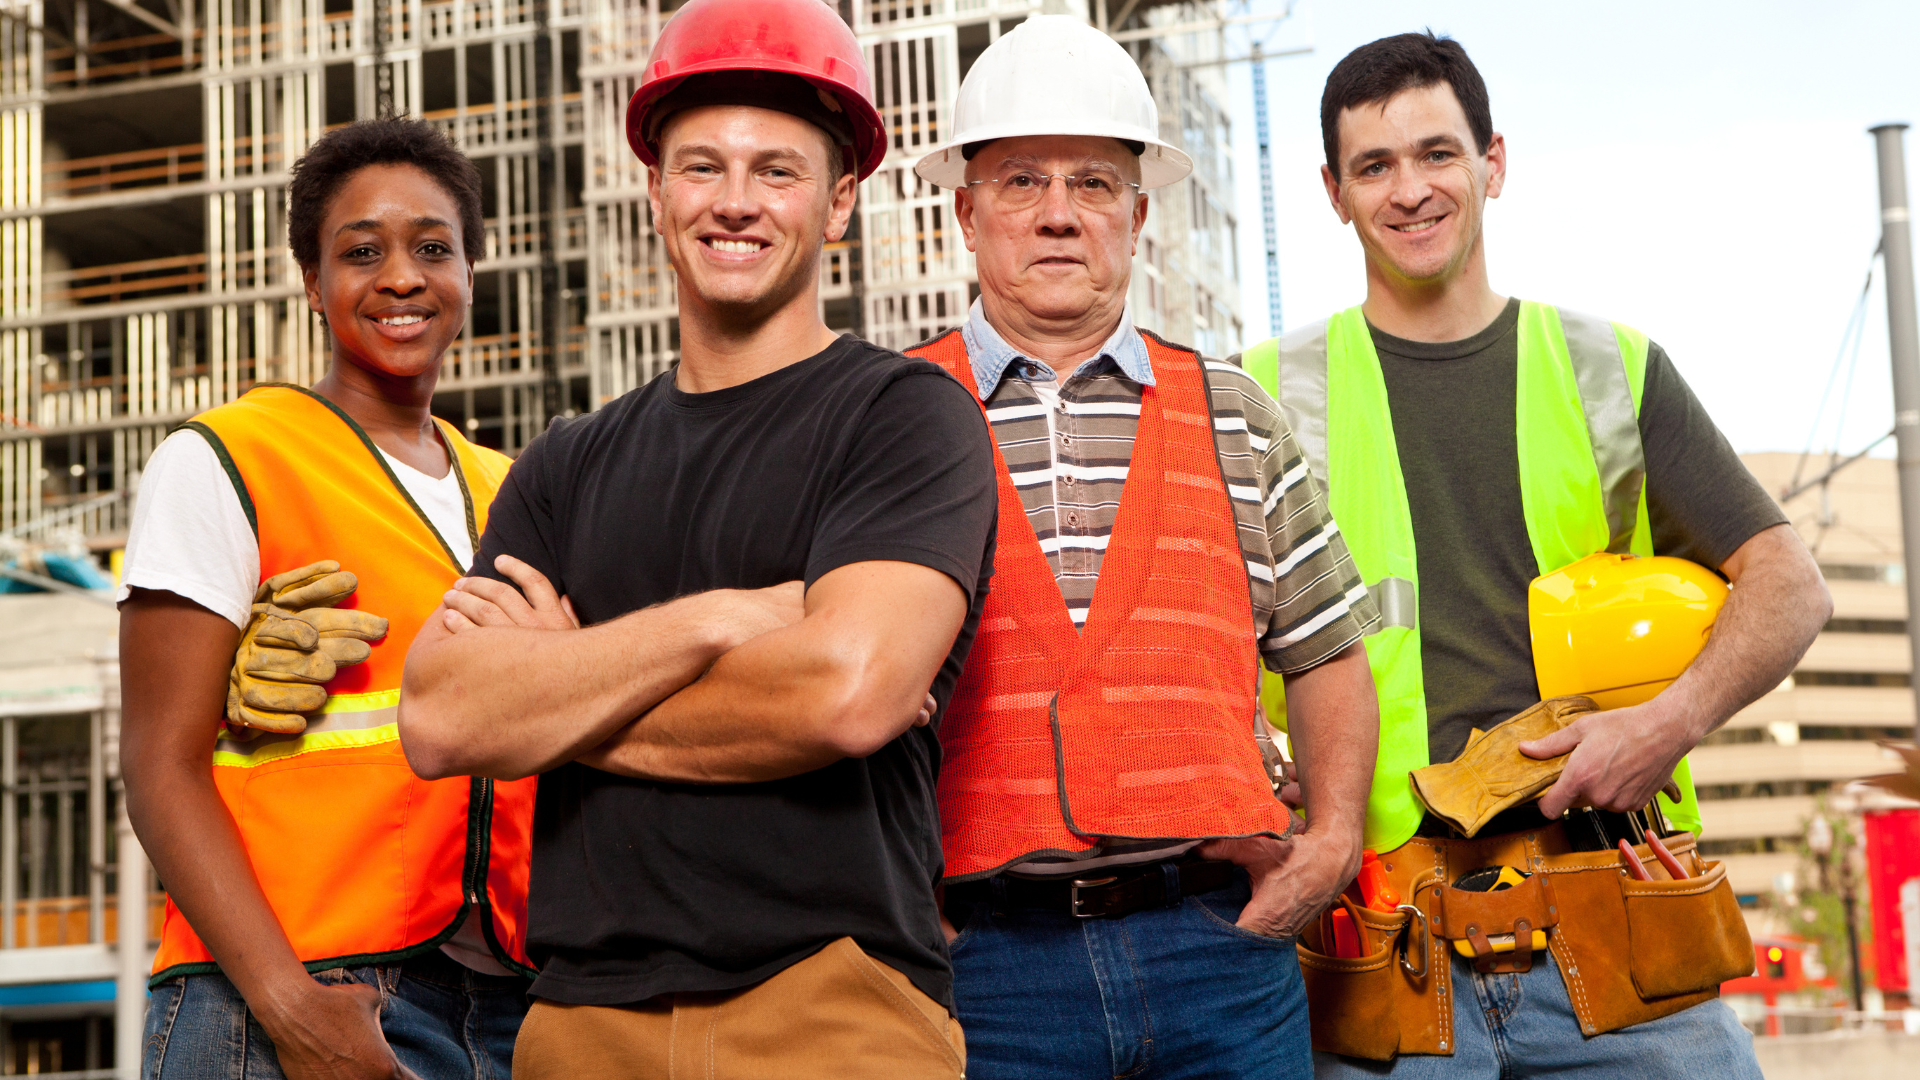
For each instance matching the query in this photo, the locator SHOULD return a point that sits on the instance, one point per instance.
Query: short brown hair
(340, 153)
(1378, 70)
(771, 90)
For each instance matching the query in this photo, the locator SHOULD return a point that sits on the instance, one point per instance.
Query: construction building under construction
(144, 277)
(144, 153)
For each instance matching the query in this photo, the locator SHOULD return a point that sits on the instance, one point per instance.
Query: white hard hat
(1055, 75)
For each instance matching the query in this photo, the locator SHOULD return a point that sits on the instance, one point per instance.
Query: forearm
(509, 702)
(1334, 728)
(174, 659)
(195, 848)
(780, 705)
(1777, 606)
(841, 682)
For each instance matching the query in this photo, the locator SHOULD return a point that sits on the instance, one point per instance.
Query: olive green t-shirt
(1453, 420)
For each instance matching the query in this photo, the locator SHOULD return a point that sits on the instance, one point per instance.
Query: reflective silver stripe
(1612, 426)
(1398, 605)
(1303, 393)
(1303, 397)
(325, 722)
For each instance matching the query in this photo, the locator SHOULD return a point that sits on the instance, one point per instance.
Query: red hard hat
(794, 37)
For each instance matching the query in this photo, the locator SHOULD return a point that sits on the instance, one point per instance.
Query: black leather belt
(1100, 894)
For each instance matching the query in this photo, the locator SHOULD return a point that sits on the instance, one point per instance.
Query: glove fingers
(273, 631)
(345, 651)
(288, 578)
(324, 591)
(280, 723)
(286, 665)
(281, 697)
(338, 622)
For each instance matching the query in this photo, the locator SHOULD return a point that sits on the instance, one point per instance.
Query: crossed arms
(727, 686)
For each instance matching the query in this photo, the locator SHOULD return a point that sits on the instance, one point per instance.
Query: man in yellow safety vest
(1471, 443)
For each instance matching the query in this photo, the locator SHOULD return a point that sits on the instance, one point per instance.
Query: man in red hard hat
(776, 550)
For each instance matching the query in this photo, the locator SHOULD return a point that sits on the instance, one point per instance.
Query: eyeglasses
(1019, 189)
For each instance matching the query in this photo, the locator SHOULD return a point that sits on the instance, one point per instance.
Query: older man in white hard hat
(1124, 880)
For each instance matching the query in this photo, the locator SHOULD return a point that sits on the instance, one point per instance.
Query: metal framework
(144, 150)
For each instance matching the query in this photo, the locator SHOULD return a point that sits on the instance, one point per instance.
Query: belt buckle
(1073, 894)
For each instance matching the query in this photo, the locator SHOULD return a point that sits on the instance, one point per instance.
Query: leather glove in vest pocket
(295, 643)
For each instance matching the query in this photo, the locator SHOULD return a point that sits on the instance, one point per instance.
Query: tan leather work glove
(1491, 774)
(296, 641)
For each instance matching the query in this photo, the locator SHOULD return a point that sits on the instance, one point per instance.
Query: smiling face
(1413, 185)
(392, 279)
(744, 198)
(1055, 261)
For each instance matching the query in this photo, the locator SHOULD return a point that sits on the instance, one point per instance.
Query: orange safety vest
(1140, 726)
(362, 861)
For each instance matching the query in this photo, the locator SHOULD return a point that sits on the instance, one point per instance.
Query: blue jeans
(1165, 993)
(1513, 1026)
(442, 1020)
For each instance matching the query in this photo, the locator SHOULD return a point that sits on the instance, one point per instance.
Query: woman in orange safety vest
(328, 913)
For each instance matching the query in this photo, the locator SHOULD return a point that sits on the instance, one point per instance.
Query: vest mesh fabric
(1140, 727)
(360, 860)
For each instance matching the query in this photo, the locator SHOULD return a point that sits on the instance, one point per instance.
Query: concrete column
(130, 995)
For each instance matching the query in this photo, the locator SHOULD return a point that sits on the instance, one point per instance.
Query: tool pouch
(1473, 917)
(1629, 951)
(1359, 1003)
(1685, 936)
(1633, 951)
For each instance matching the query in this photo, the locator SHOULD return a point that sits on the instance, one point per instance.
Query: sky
(1701, 171)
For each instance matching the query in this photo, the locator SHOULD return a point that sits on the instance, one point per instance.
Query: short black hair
(340, 153)
(1378, 70)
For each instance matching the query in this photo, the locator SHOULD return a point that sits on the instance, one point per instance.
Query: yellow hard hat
(1619, 628)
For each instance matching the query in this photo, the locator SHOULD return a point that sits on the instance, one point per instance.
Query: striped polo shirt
(1068, 446)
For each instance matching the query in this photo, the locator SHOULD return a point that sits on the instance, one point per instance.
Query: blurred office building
(1805, 847)
(1761, 775)
(144, 149)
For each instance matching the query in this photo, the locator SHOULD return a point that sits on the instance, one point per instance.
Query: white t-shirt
(190, 537)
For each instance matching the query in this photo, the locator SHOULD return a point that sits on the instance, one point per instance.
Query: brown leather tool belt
(1629, 951)
(1101, 894)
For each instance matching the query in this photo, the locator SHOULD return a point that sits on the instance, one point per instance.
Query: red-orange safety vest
(362, 861)
(1140, 726)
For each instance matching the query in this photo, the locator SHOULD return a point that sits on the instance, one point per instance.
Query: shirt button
(1073, 518)
(1067, 480)
(1066, 440)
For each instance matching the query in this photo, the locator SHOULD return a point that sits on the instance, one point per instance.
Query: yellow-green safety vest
(1582, 490)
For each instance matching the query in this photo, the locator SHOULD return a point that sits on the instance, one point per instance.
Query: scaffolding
(144, 153)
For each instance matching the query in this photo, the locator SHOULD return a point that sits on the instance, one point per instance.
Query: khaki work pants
(837, 1015)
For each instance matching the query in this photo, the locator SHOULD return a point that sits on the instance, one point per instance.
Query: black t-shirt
(1453, 420)
(856, 454)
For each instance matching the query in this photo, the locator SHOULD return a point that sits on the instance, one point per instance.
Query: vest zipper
(479, 844)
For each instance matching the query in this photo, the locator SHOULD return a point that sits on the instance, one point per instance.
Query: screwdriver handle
(1674, 869)
(1634, 867)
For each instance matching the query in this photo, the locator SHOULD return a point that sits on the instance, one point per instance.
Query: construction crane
(1210, 17)
(1259, 64)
